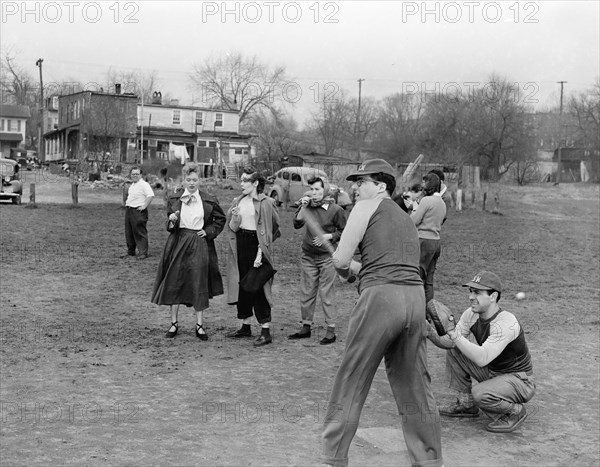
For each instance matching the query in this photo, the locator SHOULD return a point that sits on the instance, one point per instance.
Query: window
(296, 178)
(212, 144)
(219, 120)
(18, 125)
(2, 125)
(176, 117)
(238, 151)
(9, 125)
(286, 175)
(199, 118)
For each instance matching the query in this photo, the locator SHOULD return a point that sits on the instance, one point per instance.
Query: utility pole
(142, 133)
(40, 152)
(560, 132)
(357, 126)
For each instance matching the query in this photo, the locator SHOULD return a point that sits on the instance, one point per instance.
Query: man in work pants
(387, 322)
(139, 197)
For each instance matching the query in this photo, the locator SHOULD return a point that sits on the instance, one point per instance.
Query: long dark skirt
(183, 271)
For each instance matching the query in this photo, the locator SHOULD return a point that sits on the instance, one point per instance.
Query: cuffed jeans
(386, 323)
(317, 278)
(498, 393)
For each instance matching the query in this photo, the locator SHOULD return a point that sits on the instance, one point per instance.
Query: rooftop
(12, 110)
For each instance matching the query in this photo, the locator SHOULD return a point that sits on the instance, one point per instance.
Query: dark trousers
(430, 252)
(136, 234)
(386, 323)
(247, 247)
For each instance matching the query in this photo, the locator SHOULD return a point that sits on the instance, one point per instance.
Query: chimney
(157, 97)
(174, 102)
(118, 88)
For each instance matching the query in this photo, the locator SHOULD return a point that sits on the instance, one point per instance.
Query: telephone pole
(357, 125)
(40, 152)
(560, 132)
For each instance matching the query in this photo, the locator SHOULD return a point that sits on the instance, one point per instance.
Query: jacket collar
(260, 197)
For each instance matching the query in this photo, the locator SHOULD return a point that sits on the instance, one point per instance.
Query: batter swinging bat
(316, 229)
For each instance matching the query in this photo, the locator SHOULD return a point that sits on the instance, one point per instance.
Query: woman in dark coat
(188, 272)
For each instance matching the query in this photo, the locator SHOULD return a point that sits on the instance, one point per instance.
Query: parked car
(12, 187)
(291, 183)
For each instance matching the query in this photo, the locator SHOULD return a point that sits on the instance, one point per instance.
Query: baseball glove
(440, 316)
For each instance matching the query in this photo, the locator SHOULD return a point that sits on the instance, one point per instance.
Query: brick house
(91, 124)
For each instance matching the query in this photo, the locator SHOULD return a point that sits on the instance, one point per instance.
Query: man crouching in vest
(486, 345)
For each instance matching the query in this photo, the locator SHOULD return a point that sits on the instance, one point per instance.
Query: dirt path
(89, 379)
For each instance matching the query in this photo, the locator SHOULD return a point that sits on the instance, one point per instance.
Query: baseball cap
(485, 280)
(372, 166)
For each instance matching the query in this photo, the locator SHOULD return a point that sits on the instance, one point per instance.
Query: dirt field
(89, 379)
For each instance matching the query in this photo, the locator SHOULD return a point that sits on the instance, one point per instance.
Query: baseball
(520, 296)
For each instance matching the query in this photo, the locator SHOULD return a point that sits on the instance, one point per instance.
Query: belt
(136, 208)
(247, 232)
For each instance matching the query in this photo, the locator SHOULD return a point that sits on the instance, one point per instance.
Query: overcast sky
(440, 47)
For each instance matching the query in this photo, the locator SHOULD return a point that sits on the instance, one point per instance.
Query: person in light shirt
(428, 218)
(139, 197)
(252, 227)
(188, 272)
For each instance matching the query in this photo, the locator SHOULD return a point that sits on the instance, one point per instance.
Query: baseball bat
(316, 229)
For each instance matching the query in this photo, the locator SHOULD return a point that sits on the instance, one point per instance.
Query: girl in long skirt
(188, 272)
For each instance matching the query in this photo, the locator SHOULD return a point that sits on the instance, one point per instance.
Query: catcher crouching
(487, 346)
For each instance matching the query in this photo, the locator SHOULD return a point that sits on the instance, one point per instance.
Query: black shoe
(299, 335)
(170, 334)
(243, 332)
(263, 339)
(201, 335)
(508, 423)
(327, 340)
(127, 255)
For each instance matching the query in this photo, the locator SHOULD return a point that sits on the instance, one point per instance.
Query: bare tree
(235, 82)
(138, 82)
(488, 128)
(364, 124)
(276, 134)
(399, 125)
(584, 109)
(500, 127)
(18, 86)
(107, 121)
(334, 123)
